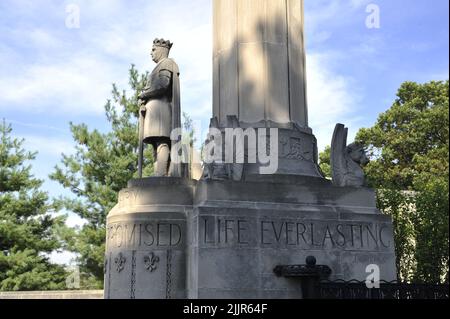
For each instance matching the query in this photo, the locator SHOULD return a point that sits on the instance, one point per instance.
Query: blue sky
(51, 75)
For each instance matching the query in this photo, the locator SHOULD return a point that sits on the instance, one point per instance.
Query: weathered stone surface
(294, 149)
(160, 112)
(259, 61)
(346, 160)
(173, 238)
(313, 191)
(60, 294)
(297, 154)
(147, 239)
(259, 78)
(238, 242)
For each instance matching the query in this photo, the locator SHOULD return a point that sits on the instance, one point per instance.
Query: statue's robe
(163, 112)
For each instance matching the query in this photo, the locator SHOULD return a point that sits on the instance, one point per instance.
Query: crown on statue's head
(163, 43)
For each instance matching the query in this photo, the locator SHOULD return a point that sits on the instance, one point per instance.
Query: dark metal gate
(388, 290)
(315, 285)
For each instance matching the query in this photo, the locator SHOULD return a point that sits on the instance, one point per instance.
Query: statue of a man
(160, 110)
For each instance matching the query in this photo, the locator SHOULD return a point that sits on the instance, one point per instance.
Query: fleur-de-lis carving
(120, 262)
(151, 262)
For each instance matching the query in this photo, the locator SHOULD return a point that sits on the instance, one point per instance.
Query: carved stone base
(240, 241)
(297, 154)
(171, 238)
(146, 240)
(297, 151)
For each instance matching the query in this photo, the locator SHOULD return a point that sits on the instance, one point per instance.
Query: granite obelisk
(259, 61)
(259, 77)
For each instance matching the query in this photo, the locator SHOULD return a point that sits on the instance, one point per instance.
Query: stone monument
(346, 160)
(237, 233)
(160, 111)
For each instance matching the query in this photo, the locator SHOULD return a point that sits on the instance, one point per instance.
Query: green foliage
(27, 230)
(432, 230)
(409, 147)
(324, 162)
(101, 166)
(400, 206)
(409, 139)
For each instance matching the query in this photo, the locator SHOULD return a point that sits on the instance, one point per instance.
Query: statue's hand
(142, 110)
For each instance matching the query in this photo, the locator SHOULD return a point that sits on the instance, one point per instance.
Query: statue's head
(357, 153)
(161, 49)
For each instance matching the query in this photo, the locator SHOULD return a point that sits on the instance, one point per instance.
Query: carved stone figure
(120, 262)
(220, 170)
(346, 161)
(160, 111)
(151, 262)
(213, 170)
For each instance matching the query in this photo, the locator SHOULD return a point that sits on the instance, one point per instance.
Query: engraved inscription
(150, 234)
(128, 194)
(294, 234)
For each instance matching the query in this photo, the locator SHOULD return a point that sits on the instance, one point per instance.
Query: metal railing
(340, 289)
(315, 285)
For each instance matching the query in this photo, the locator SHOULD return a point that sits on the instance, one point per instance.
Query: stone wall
(69, 294)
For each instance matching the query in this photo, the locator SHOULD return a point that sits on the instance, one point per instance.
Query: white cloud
(332, 99)
(74, 220)
(38, 126)
(76, 86)
(48, 146)
(62, 258)
(325, 16)
(74, 73)
(41, 38)
(76, 78)
(188, 25)
(356, 4)
(65, 257)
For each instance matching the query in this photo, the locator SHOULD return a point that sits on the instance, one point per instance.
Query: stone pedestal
(297, 150)
(146, 240)
(259, 61)
(171, 238)
(244, 230)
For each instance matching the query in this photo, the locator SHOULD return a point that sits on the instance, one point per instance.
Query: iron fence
(340, 289)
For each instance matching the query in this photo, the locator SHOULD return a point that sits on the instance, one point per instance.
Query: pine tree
(27, 229)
